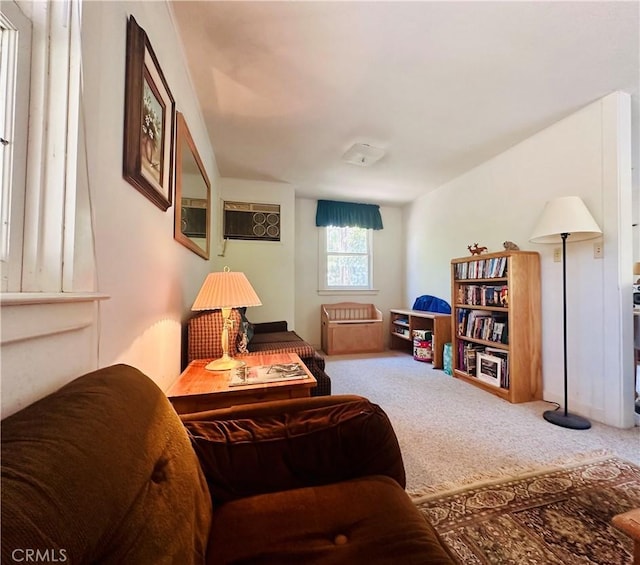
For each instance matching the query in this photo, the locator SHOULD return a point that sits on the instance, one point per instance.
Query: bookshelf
(403, 322)
(496, 331)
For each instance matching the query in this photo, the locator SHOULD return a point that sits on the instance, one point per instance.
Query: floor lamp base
(566, 420)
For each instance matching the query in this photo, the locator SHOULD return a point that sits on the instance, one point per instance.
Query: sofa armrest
(273, 446)
(629, 523)
(270, 327)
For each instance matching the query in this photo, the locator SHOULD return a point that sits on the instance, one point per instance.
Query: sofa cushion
(281, 342)
(366, 520)
(242, 457)
(275, 337)
(103, 471)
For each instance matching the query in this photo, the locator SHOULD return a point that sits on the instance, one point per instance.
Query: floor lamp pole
(556, 417)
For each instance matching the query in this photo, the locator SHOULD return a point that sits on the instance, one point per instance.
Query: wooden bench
(351, 327)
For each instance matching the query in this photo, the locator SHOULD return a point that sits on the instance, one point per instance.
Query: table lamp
(561, 218)
(225, 290)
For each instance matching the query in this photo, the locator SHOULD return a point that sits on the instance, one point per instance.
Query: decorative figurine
(510, 246)
(475, 250)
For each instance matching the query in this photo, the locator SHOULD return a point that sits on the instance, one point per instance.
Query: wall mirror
(193, 195)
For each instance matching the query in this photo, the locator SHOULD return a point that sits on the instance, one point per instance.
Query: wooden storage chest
(351, 327)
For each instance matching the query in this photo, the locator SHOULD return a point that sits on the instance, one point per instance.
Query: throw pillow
(245, 332)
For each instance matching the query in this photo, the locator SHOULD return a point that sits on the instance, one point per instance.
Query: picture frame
(149, 121)
(489, 369)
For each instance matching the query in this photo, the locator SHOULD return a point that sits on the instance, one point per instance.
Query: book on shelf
(267, 374)
(467, 357)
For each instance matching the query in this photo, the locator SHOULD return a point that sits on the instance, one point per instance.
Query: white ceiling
(287, 87)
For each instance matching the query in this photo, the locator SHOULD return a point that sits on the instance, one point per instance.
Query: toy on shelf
(475, 250)
(510, 246)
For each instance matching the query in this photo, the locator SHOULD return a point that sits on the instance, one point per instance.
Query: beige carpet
(558, 516)
(451, 431)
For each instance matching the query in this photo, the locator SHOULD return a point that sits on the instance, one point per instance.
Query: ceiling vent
(363, 154)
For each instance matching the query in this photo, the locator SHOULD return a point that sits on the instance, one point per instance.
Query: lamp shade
(567, 214)
(226, 289)
(636, 269)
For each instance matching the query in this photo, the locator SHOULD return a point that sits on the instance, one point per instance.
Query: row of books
(480, 324)
(488, 364)
(482, 269)
(483, 295)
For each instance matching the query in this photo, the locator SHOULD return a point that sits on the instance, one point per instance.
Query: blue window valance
(348, 214)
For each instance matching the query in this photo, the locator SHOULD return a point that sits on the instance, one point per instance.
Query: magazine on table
(267, 374)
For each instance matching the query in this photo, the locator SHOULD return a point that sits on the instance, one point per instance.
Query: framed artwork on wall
(149, 121)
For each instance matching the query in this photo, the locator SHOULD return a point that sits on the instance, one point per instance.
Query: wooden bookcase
(486, 291)
(403, 322)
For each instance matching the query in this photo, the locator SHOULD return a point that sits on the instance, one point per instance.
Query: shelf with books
(485, 295)
(485, 325)
(496, 338)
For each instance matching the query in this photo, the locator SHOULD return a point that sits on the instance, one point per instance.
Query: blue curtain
(348, 214)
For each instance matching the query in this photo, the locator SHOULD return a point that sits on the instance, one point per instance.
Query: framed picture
(489, 368)
(149, 121)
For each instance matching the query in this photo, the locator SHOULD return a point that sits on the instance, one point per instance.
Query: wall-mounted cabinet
(496, 337)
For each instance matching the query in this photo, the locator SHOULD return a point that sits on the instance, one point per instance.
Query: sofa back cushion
(205, 335)
(102, 471)
(289, 444)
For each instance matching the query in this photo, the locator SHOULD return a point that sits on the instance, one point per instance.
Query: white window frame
(323, 254)
(48, 220)
(15, 78)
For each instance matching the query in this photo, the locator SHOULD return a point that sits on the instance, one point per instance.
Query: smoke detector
(363, 154)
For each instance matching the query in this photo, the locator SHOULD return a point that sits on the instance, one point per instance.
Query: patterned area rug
(558, 516)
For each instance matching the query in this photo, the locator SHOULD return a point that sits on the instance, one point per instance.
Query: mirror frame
(184, 139)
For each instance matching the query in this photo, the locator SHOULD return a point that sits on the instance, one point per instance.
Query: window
(346, 259)
(40, 81)
(15, 69)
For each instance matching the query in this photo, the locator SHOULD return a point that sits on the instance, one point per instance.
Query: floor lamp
(225, 290)
(565, 218)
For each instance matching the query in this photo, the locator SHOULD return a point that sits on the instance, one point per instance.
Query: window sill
(17, 298)
(35, 315)
(363, 291)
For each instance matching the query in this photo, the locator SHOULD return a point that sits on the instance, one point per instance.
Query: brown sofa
(203, 342)
(104, 471)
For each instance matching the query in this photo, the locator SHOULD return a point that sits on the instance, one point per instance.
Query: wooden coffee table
(198, 389)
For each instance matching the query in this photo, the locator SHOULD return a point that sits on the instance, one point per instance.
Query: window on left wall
(40, 87)
(15, 75)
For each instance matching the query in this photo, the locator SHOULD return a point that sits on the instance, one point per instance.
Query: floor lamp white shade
(562, 218)
(225, 290)
(567, 214)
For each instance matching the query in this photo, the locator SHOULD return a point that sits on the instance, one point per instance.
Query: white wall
(269, 265)
(588, 155)
(150, 278)
(388, 270)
